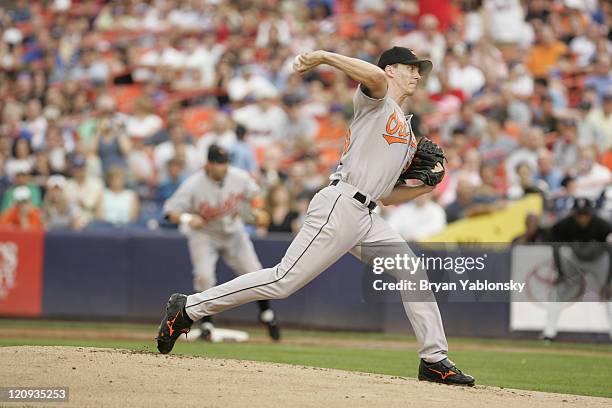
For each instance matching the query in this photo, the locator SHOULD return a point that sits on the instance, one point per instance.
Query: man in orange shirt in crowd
(545, 53)
(22, 215)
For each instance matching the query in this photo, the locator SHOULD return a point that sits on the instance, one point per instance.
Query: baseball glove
(427, 156)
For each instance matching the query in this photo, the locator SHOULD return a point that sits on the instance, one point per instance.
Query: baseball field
(117, 365)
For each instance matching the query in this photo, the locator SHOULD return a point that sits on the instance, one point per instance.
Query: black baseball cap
(402, 55)
(583, 206)
(217, 154)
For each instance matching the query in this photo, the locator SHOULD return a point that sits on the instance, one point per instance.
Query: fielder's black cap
(402, 55)
(217, 154)
(583, 206)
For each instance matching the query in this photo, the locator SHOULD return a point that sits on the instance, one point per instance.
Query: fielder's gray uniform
(577, 272)
(220, 205)
(380, 143)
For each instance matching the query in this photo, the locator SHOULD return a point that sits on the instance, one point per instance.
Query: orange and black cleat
(174, 323)
(444, 372)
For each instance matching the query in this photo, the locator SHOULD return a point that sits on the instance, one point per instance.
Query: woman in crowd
(118, 205)
(58, 212)
(283, 218)
(111, 144)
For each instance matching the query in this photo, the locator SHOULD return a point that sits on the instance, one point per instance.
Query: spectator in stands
(463, 75)
(22, 158)
(106, 108)
(248, 83)
(519, 81)
(35, 123)
(601, 77)
(204, 56)
(590, 132)
(505, 21)
(545, 117)
(91, 67)
(264, 119)
(425, 40)
(486, 56)
(223, 76)
(470, 167)
(5, 182)
(492, 185)
(84, 190)
(468, 204)
(472, 123)
(41, 171)
(222, 133)
(58, 212)
(531, 140)
(601, 118)
(407, 219)
(546, 52)
(496, 145)
(591, 177)
(192, 158)
(547, 172)
(565, 148)
(144, 123)
(141, 167)
(175, 176)
(22, 178)
(584, 45)
(273, 27)
(111, 144)
(174, 117)
(242, 153)
(55, 147)
(118, 206)
(526, 183)
(283, 218)
(314, 180)
(298, 126)
(21, 215)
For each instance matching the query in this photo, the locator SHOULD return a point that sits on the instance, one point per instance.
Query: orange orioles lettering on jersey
(398, 131)
(228, 207)
(347, 141)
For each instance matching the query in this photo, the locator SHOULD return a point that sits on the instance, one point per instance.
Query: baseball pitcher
(210, 205)
(379, 151)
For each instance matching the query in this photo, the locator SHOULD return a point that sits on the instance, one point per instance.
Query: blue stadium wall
(129, 276)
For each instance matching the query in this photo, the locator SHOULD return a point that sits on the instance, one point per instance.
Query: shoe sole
(440, 381)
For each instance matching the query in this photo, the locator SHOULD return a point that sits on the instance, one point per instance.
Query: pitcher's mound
(122, 378)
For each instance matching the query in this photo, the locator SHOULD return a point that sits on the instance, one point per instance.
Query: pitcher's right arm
(369, 75)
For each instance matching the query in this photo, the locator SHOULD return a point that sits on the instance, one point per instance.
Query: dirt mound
(117, 378)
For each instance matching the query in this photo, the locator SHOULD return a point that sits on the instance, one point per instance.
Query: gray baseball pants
(335, 224)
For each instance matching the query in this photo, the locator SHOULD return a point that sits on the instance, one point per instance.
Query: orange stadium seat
(327, 130)
(196, 120)
(125, 95)
(606, 159)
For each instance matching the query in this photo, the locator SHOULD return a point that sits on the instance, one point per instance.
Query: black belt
(359, 197)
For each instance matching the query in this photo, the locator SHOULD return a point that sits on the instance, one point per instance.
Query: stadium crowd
(106, 106)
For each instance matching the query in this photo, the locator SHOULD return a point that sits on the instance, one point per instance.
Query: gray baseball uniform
(220, 205)
(379, 144)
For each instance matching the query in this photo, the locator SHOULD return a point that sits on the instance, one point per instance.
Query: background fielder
(211, 204)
